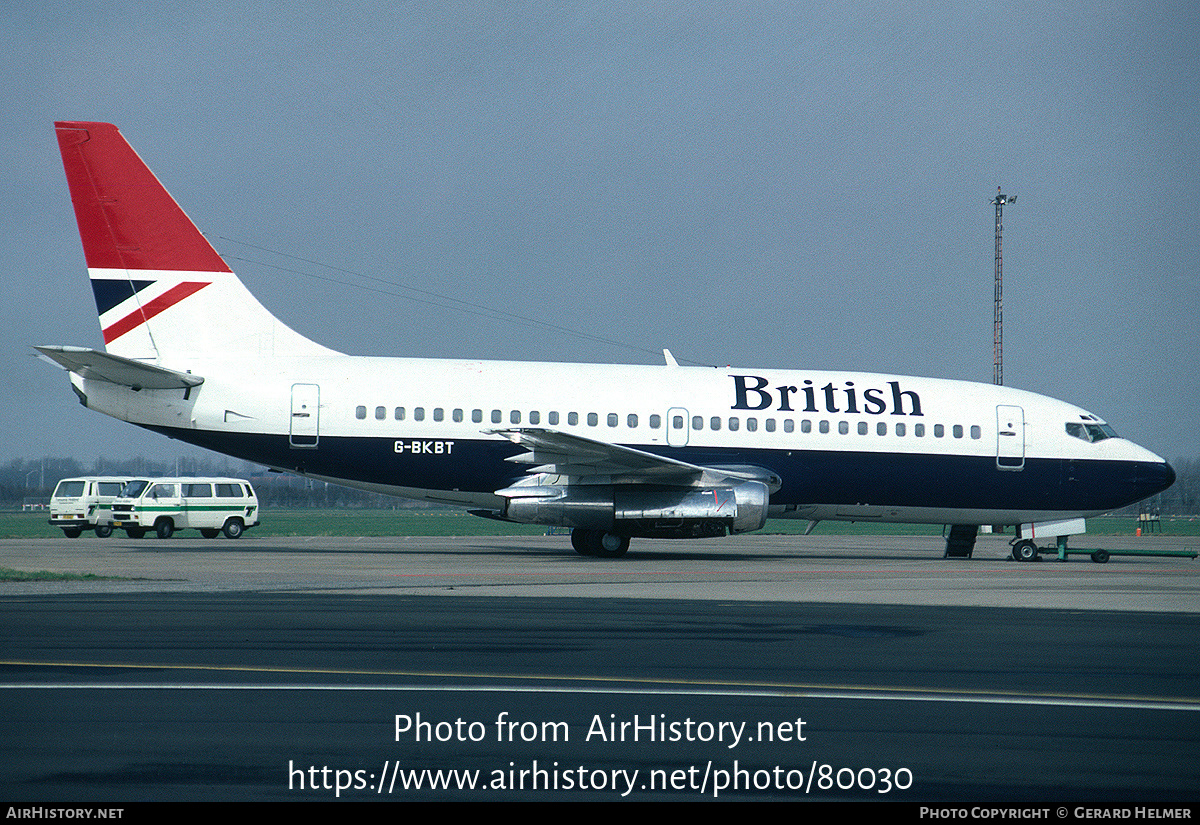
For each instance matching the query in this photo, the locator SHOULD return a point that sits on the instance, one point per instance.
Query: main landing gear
(599, 543)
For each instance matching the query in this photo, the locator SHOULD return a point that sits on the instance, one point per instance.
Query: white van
(79, 504)
(164, 505)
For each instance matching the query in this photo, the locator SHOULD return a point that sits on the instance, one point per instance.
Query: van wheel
(135, 532)
(209, 533)
(72, 532)
(164, 527)
(233, 528)
(103, 531)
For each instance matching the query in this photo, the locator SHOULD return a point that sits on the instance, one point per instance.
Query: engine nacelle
(651, 512)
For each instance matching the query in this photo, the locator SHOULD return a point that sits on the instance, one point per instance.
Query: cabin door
(305, 415)
(1010, 437)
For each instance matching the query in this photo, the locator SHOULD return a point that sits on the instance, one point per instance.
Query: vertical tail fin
(161, 289)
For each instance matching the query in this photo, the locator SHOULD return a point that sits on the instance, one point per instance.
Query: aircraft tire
(580, 540)
(1025, 551)
(611, 545)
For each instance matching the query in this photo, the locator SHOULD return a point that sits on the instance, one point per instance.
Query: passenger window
(514, 417)
(976, 433)
(823, 426)
(399, 413)
(477, 416)
(958, 431)
(844, 427)
(418, 413)
(697, 422)
(677, 422)
(497, 417)
(806, 426)
(938, 430)
(613, 419)
(380, 413)
(900, 429)
(733, 423)
(655, 422)
(631, 421)
(360, 412)
(919, 430)
(438, 414)
(751, 425)
(535, 417)
(573, 419)
(787, 425)
(715, 423)
(862, 427)
(881, 428)
(552, 418)
(593, 419)
(458, 416)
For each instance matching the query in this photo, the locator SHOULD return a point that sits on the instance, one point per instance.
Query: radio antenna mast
(998, 310)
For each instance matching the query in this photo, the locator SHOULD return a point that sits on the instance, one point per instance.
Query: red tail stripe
(151, 308)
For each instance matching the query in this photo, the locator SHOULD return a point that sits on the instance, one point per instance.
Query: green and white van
(164, 505)
(79, 504)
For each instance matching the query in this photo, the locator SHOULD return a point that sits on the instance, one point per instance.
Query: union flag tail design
(162, 292)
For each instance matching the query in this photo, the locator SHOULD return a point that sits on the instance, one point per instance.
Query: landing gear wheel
(599, 543)
(103, 531)
(580, 540)
(1100, 556)
(1025, 551)
(611, 546)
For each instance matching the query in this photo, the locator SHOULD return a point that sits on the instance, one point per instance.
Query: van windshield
(134, 488)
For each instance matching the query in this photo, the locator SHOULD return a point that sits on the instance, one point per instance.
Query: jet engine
(640, 510)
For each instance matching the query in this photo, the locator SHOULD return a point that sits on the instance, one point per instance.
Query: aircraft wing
(559, 453)
(91, 363)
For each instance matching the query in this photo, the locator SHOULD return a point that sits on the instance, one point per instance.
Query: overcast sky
(760, 184)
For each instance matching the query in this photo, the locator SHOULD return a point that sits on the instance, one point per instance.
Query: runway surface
(756, 667)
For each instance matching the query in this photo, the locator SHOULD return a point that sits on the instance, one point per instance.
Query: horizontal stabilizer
(90, 363)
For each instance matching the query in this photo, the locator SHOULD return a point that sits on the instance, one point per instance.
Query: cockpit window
(1090, 432)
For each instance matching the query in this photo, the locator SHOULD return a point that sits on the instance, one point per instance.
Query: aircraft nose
(1168, 475)
(1157, 476)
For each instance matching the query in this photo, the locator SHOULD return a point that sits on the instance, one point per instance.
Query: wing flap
(557, 453)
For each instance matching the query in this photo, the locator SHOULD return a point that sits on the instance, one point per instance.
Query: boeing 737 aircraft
(612, 451)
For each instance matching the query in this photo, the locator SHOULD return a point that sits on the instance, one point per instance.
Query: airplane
(613, 451)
